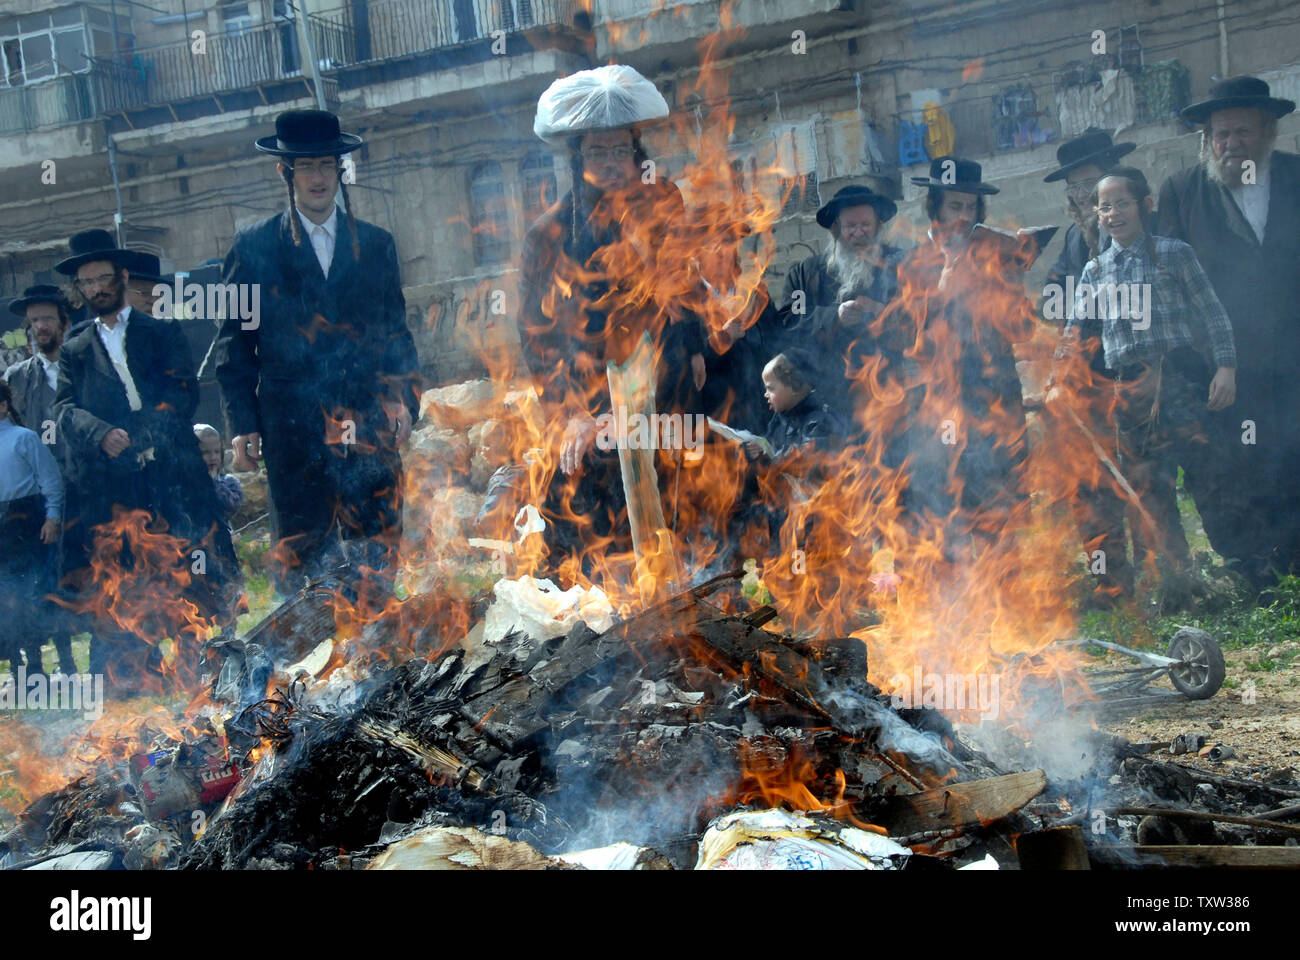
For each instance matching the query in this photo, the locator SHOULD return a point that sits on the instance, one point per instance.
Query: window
(538, 174)
(38, 57)
(42, 46)
(489, 219)
(236, 19)
(70, 51)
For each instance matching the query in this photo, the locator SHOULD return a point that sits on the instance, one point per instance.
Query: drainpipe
(1223, 40)
(117, 188)
(305, 26)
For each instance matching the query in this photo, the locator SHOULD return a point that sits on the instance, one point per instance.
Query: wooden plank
(959, 805)
(1232, 858)
(631, 388)
(1257, 822)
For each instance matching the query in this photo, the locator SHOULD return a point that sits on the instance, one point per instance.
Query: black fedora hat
(308, 133)
(144, 266)
(1091, 146)
(855, 196)
(39, 293)
(88, 246)
(954, 173)
(1237, 92)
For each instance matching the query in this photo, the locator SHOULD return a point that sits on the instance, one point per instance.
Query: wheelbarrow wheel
(1201, 673)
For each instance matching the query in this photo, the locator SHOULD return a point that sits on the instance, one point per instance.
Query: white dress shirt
(322, 238)
(1252, 201)
(51, 368)
(114, 340)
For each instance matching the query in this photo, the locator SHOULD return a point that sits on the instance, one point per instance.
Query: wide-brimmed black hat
(144, 266)
(308, 133)
(88, 246)
(39, 293)
(965, 176)
(1237, 92)
(1091, 146)
(855, 196)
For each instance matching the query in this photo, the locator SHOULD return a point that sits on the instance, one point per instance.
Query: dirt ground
(1256, 713)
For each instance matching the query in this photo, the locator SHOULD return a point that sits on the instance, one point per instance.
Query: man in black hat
(325, 383)
(144, 271)
(1099, 509)
(126, 402)
(34, 383)
(1239, 210)
(949, 342)
(831, 297)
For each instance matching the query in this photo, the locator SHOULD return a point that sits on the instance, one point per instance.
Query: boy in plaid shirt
(1161, 325)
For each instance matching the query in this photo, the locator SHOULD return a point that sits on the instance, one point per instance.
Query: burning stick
(631, 387)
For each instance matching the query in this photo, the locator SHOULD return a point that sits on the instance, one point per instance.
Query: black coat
(1258, 284)
(322, 348)
(92, 400)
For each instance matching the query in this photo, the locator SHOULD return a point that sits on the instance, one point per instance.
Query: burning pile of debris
(631, 738)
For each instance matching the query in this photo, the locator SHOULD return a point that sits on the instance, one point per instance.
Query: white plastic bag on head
(605, 98)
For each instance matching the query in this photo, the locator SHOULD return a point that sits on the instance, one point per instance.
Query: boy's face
(779, 395)
(210, 447)
(1119, 211)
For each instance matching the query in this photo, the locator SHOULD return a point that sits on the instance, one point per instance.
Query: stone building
(144, 115)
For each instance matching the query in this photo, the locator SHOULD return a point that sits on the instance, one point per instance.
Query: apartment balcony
(357, 45)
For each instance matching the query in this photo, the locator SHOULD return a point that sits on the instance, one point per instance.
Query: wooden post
(632, 389)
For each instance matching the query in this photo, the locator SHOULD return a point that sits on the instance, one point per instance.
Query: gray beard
(854, 274)
(1211, 165)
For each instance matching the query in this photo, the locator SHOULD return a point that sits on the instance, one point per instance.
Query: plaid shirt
(1184, 311)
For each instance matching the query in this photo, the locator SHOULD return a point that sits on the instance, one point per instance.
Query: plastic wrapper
(542, 610)
(605, 98)
(780, 840)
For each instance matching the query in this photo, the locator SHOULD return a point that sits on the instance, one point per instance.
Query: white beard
(855, 274)
(1215, 175)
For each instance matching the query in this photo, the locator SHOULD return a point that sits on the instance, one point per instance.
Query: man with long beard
(1238, 209)
(831, 297)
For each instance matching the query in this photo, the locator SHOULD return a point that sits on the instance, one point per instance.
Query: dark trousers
(330, 502)
(21, 565)
(1160, 417)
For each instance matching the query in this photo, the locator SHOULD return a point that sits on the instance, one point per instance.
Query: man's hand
(50, 530)
(697, 370)
(399, 419)
(578, 437)
(1223, 388)
(856, 310)
(248, 450)
(114, 442)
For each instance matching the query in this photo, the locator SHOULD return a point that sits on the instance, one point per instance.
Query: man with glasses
(125, 402)
(1100, 508)
(324, 382)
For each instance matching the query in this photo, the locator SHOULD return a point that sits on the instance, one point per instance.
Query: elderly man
(325, 382)
(1238, 209)
(831, 297)
(34, 383)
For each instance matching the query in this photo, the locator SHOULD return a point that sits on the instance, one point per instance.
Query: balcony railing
(365, 31)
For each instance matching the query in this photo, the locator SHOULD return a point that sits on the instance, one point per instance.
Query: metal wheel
(1201, 672)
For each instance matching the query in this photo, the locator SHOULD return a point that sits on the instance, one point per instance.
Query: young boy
(229, 492)
(799, 417)
(31, 513)
(1160, 323)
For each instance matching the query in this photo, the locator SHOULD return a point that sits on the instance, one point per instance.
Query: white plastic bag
(605, 98)
(542, 610)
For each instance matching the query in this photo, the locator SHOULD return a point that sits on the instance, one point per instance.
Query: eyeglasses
(601, 154)
(1119, 206)
(309, 167)
(1081, 189)
(89, 283)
